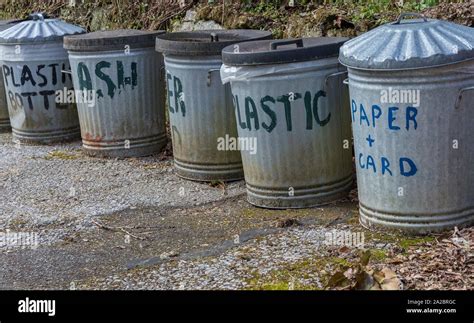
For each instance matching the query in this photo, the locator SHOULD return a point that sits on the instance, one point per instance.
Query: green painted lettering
(251, 114)
(178, 95)
(104, 77)
(235, 99)
(134, 75)
(269, 112)
(170, 93)
(309, 110)
(27, 76)
(320, 122)
(84, 77)
(286, 100)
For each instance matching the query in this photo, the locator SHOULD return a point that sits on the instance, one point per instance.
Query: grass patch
(378, 254)
(406, 243)
(60, 154)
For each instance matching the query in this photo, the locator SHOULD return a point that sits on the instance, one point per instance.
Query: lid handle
(274, 44)
(409, 14)
(37, 16)
(214, 37)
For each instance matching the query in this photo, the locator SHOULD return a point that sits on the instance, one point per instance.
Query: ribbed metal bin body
(412, 92)
(437, 138)
(201, 111)
(128, 117)
(4, 118)
(306, 161)
(199, 105)
(32, 74)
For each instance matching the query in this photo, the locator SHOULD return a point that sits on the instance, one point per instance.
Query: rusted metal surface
(290, 101)
(200, 107)
(127, 118)
(303, 156)
(200, 111)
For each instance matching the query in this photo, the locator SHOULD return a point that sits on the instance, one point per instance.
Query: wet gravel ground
(133, 224)
(42, 185)
(238, 268)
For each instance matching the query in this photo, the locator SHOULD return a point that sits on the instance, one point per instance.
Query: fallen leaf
(338, 280)
(285, 223)
(391, 281)
(365, 257)
(344, 249)
(364, 281)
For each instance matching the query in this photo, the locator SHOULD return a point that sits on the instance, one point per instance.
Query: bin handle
(214, 37)
(346, 81)
(408, 14)
(274, 44)
(37, 16)
(209, 73)
(326, 80)
(459, 98)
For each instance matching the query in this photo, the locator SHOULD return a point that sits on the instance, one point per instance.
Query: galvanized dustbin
(32, 62)
(4, 118)
(290, 104)
(120, 73)
(200, 107)
(412, 91)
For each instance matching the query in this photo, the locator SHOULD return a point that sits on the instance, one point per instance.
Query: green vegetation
(378, 254)
(406, 243)
(100, 14)
(306, 18)
(60, 154)
(316, 271)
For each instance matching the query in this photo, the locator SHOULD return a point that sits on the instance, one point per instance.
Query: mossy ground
(307, 274)
(313, 273)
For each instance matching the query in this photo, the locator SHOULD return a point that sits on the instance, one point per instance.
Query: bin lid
(38, 28)
(205, 42)
(111, 40)
(409, 44)
(5, 24)
(282, 51)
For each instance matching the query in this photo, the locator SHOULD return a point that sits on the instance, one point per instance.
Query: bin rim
(209, 42)
(107, 40)
(282, 51)
(11, 21)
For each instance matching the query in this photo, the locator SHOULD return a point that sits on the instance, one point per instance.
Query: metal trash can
(120, 72)
(4, 118)
(289, 100)
(200, 107)
(32, 59)
(412, 91)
